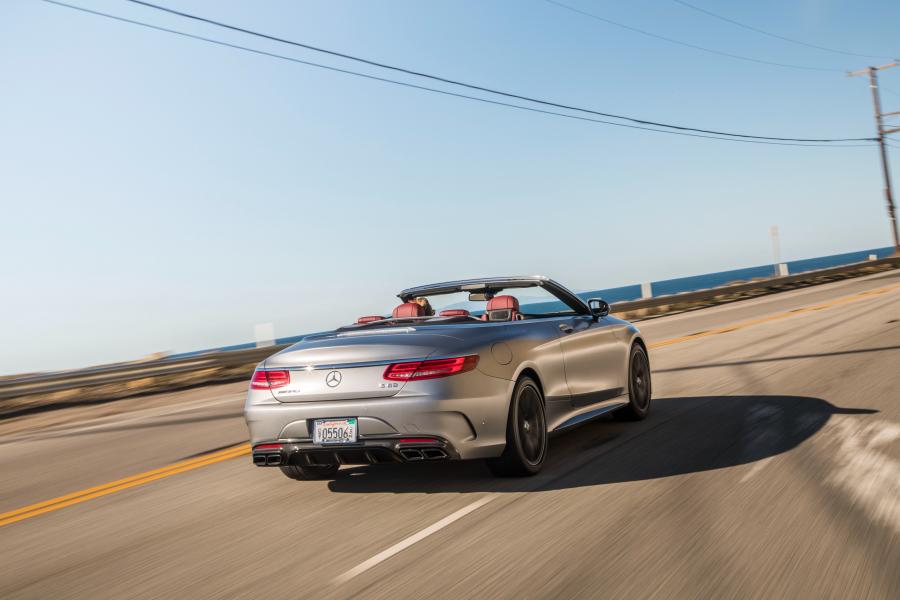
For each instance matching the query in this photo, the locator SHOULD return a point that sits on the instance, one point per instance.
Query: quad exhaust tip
(433, 453)
(414, 454)
(267, 460)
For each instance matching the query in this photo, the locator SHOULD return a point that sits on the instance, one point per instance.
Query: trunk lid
(350, 365)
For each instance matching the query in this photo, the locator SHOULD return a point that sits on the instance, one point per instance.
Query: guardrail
(110, 374)
(759, 287)
(32, 392)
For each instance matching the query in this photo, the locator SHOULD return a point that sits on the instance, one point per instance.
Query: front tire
(309, 473)
(639, 388)
(526, 433)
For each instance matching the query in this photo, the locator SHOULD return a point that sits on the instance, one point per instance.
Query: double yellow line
(112, 487)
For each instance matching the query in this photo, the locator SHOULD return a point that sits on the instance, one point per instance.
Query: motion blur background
(165, 194)
(159, 193)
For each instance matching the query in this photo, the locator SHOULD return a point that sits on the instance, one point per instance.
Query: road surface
(768, 468)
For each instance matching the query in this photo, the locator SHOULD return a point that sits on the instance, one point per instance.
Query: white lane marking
(756, 468)
(111, 420)
(417, 537)
(871, 478)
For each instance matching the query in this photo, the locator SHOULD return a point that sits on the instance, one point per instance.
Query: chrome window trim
(377, 331)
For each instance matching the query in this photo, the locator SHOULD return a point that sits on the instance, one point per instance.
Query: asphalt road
(768, 468)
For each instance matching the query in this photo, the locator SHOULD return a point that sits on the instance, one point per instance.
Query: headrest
(408, 309)
(369, 319)
(503, 303)
(454, 312)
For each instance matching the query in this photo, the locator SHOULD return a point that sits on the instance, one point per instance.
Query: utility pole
(882, 132)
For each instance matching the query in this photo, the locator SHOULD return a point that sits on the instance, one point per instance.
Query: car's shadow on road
(682, 435)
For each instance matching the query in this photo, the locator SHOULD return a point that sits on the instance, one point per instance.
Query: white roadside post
(646, 290)
(264, 333)
(776, 248)
(873, 257)
(782, 270)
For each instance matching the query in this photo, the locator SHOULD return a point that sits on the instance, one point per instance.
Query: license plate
(334, 431)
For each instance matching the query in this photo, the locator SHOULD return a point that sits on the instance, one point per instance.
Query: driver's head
(426, 306)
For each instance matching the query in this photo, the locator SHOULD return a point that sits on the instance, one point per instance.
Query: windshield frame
(497, 284)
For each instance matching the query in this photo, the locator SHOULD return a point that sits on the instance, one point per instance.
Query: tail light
(430, 369)
(269, 380)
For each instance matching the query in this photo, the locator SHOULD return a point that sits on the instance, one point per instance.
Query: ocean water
(710, 280)
(659, 288)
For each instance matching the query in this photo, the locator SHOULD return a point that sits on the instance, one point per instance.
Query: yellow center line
(776, 317)
(39, 508)
(46, 506)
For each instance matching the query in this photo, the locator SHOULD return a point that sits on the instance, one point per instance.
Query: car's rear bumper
(369, 451)
(467, 413)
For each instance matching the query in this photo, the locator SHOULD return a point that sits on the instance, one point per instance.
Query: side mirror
(599, 307)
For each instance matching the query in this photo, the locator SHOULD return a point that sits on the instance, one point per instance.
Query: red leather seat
(502, 308)
(408, 309)
(454, 312)
(369, 319)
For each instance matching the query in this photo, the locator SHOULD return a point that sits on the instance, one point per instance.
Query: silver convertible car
(475, 369)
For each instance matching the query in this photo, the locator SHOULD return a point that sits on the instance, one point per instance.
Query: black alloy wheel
(526, 433)
(639, 387)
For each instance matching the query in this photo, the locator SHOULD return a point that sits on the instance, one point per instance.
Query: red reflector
(417, 440)
(268, 447)
(430, 369)
(267, 380)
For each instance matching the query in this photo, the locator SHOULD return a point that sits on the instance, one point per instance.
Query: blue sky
(164, 194)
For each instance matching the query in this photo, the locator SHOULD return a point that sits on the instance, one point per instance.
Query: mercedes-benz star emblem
(333, 379)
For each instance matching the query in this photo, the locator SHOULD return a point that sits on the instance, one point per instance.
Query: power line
(428, 89)
(482, 88)
(775, 35)
(686, 44)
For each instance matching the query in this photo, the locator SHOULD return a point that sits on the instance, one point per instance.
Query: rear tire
(639, 388)
(309, 473)
(526, 433)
